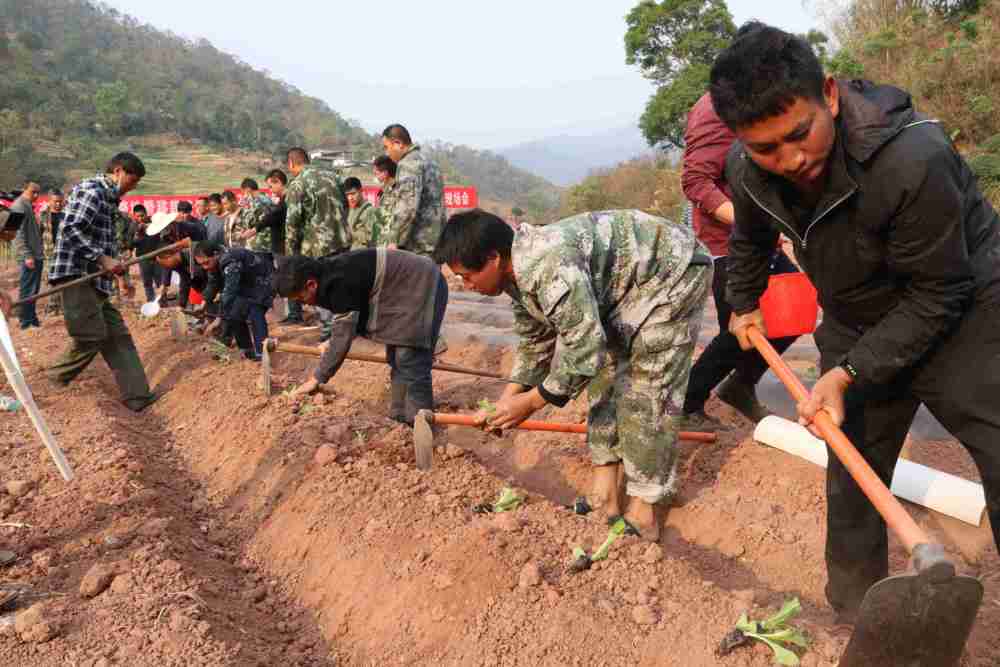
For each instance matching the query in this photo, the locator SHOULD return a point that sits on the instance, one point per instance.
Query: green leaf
(578, 552)
(782, 656)
(508, 500)
(785, 614)
(616, 530)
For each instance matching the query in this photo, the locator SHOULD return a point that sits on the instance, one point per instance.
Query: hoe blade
(914, 620)
(423, 440)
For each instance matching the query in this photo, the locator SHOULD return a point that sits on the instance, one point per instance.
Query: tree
(674, 43)
(111, 103)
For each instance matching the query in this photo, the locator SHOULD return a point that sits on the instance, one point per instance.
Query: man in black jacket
(241, 279)
(888, 222)
(400, 300)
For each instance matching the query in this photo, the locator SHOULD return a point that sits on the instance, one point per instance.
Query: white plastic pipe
(933, 489)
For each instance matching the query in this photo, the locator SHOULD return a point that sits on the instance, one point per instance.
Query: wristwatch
(849, 368)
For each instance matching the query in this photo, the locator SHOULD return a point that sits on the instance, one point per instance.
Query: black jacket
(900, 243)
(242, 279)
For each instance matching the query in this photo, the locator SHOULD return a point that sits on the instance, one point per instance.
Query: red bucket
(194, 297)
(789, 306)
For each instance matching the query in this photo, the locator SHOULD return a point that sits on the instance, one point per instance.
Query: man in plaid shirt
(86, 244)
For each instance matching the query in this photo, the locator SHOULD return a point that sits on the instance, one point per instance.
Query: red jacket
(706, 141)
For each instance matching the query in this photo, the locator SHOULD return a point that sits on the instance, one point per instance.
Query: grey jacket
(408, 292)
(28, 242)
(215, 229)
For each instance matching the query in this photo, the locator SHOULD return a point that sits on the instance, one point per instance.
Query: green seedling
(219, 351)
(773, 631)
(508, 501)
(487, 406)
(581, 561)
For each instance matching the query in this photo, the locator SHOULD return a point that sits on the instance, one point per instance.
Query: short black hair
(249, 184)
(352, 183)
(297, 155)
(761, 74)
(397, 132)
(207, 249)
(385, 163)
(204, 199)
(293, 272)
(216, 197)
(471, 237)
(130, 162)
(184, 207)
(277, 175)
(139, 207)
(56, 192)
(229, 195)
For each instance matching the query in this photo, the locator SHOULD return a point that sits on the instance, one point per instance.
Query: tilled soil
(222, 527)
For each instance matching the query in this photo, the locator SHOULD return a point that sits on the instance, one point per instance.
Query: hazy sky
(487, 74)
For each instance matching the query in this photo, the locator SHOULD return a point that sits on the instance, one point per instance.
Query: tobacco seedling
(776, 632)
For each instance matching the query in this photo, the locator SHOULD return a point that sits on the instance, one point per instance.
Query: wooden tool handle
(896, 517)
(557, 427)
(180, 245)
(374, 358)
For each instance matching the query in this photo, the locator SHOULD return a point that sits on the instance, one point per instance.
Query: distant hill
(82, 81)
(566, 159)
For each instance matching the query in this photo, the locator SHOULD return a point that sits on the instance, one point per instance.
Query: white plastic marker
(150, 308)
(10, 366)
(7, 342)
(936, 490)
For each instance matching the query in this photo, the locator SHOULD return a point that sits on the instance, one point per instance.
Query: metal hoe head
(423, 439)
(915, 620)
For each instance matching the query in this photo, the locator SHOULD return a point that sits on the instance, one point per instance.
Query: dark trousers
(250, 336)
(184, 289)
(29, 282)
(410, 367)
(723, 354)
(959, 382)
(150, 272)
(95, 326)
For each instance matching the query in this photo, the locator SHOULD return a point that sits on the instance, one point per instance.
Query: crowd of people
(881, 212)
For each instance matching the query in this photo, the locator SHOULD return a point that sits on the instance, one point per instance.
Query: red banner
(454, 198)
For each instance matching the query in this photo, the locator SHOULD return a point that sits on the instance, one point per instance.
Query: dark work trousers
(250, 336)
(29, 282)
(96, 327)
(412, 388)
(959, 382)
(723, 354)
(150, 272)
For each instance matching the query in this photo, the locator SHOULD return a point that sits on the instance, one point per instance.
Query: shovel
(423, 437)
(908, 620)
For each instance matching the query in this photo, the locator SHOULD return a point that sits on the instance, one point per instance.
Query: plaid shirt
(87, 232)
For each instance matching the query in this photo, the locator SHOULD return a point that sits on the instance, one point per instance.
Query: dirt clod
(33, 625)
(324, 455)
(97, 580)
(644, 615)
(531, 575)
(19, 487)
(652, 554)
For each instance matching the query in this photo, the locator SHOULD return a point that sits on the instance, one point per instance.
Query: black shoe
(699, 421)
(742, 398)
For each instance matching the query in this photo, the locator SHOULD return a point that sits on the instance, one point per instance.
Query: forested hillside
(80, 78)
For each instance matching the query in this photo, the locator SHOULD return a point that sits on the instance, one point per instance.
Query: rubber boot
(397, 405)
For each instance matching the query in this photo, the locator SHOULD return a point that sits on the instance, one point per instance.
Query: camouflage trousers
(636, 398)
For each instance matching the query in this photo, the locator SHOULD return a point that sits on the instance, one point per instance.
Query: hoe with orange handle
(423, 437)
(908, 620)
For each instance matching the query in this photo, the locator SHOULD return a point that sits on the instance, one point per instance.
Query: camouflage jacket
(364, 222)
(252, 217)
(585, 280)
(418, 211)
(123, 232)
(317, 216)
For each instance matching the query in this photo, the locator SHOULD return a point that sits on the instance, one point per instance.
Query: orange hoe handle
(887, 505)
(557, 427)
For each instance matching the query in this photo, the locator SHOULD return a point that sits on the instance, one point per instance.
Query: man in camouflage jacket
(363, 219)
(607, 301)
(317, 206)
(418, 212)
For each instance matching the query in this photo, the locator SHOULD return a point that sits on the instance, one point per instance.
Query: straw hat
(159, 222)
